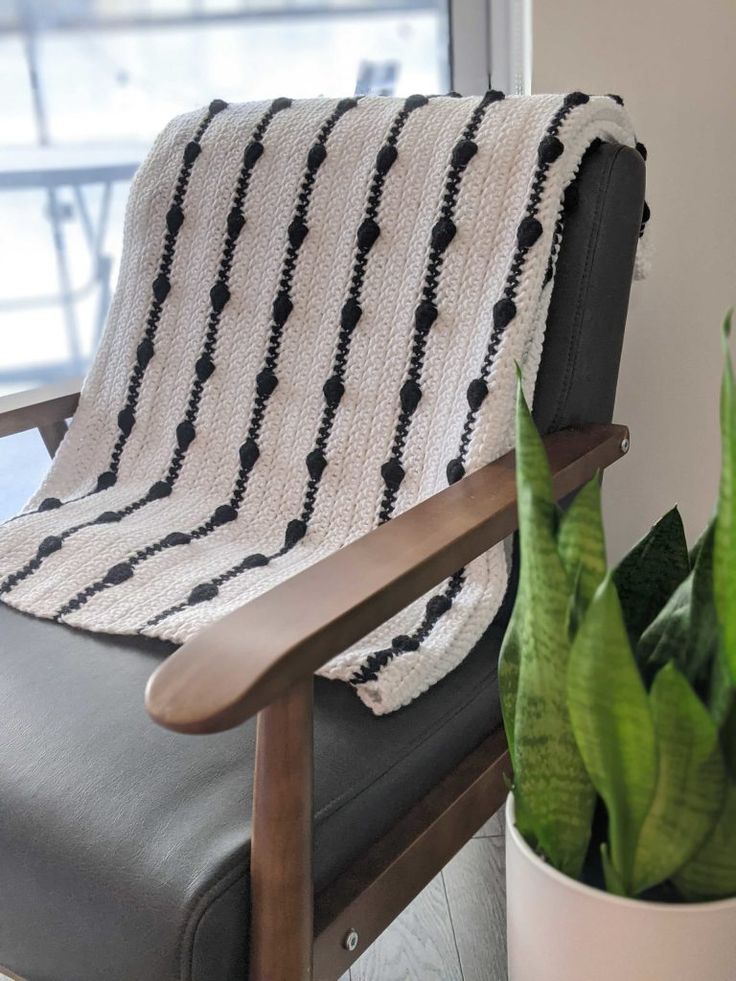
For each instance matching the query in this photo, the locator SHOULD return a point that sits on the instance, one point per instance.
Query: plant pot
(559, 929)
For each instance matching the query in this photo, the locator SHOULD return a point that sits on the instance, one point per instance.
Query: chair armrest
(39, 407)
(241, 663)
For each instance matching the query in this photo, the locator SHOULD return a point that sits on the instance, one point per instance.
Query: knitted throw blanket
(318, 314)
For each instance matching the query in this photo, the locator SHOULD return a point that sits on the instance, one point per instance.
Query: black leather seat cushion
(124, 847)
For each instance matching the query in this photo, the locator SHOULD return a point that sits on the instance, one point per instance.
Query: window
(87, 84)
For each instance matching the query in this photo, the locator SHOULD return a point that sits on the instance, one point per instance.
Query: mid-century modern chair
(278, 847)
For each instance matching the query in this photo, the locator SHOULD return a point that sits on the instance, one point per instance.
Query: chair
(127, 849)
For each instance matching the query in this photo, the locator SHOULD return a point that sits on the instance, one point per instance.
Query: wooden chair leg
(282, 890)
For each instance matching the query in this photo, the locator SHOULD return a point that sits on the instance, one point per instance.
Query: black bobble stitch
(410, 395)
(393, 474)
(455, 471)
(316, 156)
(252, 153)
(477, 392)
(616, 98)
(174, 218)
(295, 531)
(333, 390)
(405, 643)
(572, 195)
(224, 515)
(297, 232)
(118, 574)
(176, 538)
(204, 368)
(368, 233)
(266, 381)
(437, 606)
(249, 453)
(528, 232)
(49, 504)
(159, 491)
(646, 214)
(145, 352)
(425, 315)
(345, 104)
(642, 150)
(219, 295)
(126, 420)
(185, 433)
(106, 480)
(316, 464)
(279, 104)
(549, 149)
(576, 99)
(191, 152)
(493, 95)
(351, 314)
(48, 546)
(463, 153)
(235, 222)
(255, 560)
(386, 158)
(161, 287)
(217, 105)
(282, 307)
(108, 518)
(443, 233)
(504, 311)
(203, 593)
(415, 102)
(452, 94)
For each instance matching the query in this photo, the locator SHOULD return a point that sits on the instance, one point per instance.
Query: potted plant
(618, 690)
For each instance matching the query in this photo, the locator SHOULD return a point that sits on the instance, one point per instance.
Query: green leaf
(711, 873)
(613, 725)
(704, 633)
(691, 781)
(581, 542)
(650, 573)
(724, 560)
(554, 796)
(668, 636)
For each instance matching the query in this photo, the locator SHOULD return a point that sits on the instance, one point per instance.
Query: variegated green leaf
(651, 572)
(724, 559)
(691, 781)
(581, 542)
(613, 725)
(711, 872)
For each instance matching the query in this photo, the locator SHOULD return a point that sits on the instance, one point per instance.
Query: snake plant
(618, 686)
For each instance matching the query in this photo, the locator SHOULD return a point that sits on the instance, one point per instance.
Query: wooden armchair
(143, 864)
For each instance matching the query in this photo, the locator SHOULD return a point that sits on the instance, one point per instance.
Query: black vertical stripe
(426, 312)
(265, 382)
(203, 368)
(528, 233)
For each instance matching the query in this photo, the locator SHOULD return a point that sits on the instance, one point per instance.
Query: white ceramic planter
(561, 930)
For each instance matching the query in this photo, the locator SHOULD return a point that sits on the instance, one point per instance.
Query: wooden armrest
(39, 407)
(240, 664)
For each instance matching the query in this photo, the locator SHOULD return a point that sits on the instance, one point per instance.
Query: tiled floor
(453, 931)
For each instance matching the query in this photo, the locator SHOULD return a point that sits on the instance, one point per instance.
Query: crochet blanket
(316, 324)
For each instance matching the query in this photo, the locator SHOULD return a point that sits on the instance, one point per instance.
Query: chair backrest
(585, 326)
(577, 376)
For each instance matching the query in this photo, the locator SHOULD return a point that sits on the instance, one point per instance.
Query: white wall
(674, 62)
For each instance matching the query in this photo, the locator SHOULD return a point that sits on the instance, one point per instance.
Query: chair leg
(282, 891)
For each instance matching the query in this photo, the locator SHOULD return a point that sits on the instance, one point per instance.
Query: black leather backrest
(585, 326)
(587, 315)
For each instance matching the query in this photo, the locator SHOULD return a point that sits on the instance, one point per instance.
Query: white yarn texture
(60, 562)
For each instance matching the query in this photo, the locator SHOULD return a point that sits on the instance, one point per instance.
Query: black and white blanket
(316, 325)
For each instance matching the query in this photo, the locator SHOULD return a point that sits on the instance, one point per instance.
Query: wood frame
(218, 680)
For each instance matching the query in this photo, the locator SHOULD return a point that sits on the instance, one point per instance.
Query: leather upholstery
(124, 847)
